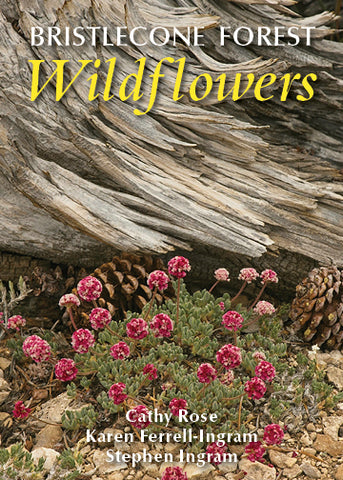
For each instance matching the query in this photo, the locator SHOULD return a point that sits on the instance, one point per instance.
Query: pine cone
(124, 281)
(317, 310)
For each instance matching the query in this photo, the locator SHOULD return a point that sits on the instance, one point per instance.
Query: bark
(257, 182)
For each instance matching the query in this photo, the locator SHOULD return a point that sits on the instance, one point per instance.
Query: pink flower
(99, 318)
(221, 274)
(269, 276)
(137, 328)
(255, 388)
(273, 434)
(20, 411)
(150, 370)
(120, 350)
(16, 322)
(139, 417)
(89, 288)
(232, 320)
(264, 308)
(36, 348)
(65, 370)
(230, 356)
(206, 373)
(222, 306)
(1, 317)
(158, 279)
(248, 275)
(258, 356)
(68, 300)
(116, 393)
(216, 452)
(82, 340)
(176, 405)
(178, 267)
(255, 451)
(227, 378)
(161, 325)
(265, 371)
(174, 473)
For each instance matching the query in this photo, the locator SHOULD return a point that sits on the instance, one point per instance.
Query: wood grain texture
(80, 180)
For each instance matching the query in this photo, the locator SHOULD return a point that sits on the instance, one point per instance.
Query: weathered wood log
(80, 180)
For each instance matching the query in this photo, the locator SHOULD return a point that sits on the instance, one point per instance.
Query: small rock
(238, 449)
(4, 363)
(310, 450)
(292, 472)
(137, 447)
(53, 409)
(339, 473)
(49, 454)
(5, 390)
(116, 476)
(282, 460)
(332, 426)
(150, 468)
(100, 460)
(193, 471)
(310, 470)
(305, 440)
(5, 420)
(310, 427)
(147, 477)
(335, 375)
(324, 443)
(257, 470)
(49, 436)
(227, 467)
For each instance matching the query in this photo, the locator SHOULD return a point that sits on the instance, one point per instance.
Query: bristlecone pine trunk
(124, 281)
(317, 310)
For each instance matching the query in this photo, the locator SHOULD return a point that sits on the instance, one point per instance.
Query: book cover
(171, 239)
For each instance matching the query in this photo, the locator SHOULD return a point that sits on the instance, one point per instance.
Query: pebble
(335, 375)
(332, 426)
(310, 450)
(310, 470)
(5, 420)
(4, 363)
(339, 473)
(282, 460)
(100, 460)
(5, 390)
(324, 443)
(49, 454)
(193, 471)
(257, 470)
(305, 440)
(310, 427)
(292, 472)
(49, 436)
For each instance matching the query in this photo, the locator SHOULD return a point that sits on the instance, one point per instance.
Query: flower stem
(178, 301)
(213, 286)
(258, 296)
(71, 316)
(240, 292)
(234, 398)
(151, 304)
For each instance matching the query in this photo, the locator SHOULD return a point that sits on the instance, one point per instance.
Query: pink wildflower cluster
(139, 417)
(229, 356)
(273, 434)
(269, 276)
(68, 300)
(178, 267)
(16, 322)
(255, 388)
(216, 452)
(264, 308)
(258, 356)
(227, 378)
(248, 275)
(150, 370)
(174, 473)
(232, 320)
(137, 328)
(222, 306)
(161, 325)
(158, 279)
(36, 348)
(120, 351)
(206, 373)
(116, 393)
(89, 288)
(265, 371)
(222, 275)
(176, 405)
(99, 318)
(20, 411)
(65, 370)
(82, 340)
(255, 451)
